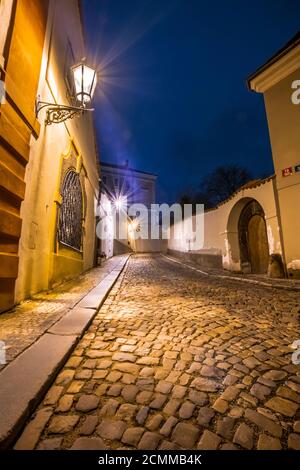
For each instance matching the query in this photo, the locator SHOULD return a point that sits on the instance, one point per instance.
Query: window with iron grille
(71, 213)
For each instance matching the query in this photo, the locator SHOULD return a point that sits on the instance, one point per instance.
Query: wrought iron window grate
(70, 216)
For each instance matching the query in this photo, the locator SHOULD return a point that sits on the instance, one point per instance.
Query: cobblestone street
(177, 360)
(23, 325)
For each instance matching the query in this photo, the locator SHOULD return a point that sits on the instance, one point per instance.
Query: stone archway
(253, 241)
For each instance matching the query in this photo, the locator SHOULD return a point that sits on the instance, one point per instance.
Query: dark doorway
(253, 241)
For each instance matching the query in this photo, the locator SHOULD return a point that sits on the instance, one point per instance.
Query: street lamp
(120, 203)
(85, 81)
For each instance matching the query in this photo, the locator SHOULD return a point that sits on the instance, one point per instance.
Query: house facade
(139, 187)
(279, 82)
(125, 186)
(49, 174)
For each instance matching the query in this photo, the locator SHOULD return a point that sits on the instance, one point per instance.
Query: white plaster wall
(149, 238)
(150, 246)
(106, 231)
(220, 226)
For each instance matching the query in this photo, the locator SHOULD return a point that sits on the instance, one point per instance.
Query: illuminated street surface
(177, 360)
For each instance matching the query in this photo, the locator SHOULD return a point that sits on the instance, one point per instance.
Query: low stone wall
(150, 246)
(205, 260)
(121, 247)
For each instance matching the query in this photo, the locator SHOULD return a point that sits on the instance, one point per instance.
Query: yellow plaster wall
(23, 24)
(284, 127)
(43, 261)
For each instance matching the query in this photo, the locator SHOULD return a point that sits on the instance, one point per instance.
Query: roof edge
(124, 167)
(291, 44)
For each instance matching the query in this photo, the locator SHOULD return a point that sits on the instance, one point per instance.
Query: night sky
(173, 98)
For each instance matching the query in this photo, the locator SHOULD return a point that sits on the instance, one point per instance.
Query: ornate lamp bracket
(57, 113)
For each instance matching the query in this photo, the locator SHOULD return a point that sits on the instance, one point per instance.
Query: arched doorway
(253, 240)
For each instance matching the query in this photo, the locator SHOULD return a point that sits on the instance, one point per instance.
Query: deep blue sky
(173, 100)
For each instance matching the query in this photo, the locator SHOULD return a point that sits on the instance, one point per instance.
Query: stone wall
(205, 260)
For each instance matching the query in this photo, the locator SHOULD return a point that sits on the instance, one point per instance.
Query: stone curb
(235, 278)
(26, 379)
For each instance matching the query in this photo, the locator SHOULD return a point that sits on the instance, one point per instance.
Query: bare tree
(215, 187)
(185, 199)
(223, 182)
(202, 197)
(194, 197)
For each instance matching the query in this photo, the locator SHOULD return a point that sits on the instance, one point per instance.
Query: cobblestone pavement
(176, 360)
(24, 324)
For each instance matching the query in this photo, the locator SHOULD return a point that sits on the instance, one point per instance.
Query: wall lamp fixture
(85, 81)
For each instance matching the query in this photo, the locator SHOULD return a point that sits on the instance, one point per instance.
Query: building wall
(148, 237)
(44, 261)
(221, 228)
(284, 127)
(6, 7)
(105, 228)
(137, 186)
(151, 246)
(23, 24)
(275, 80)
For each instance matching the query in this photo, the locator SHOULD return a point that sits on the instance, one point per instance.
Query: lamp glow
(85, 80)
(120, 203)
